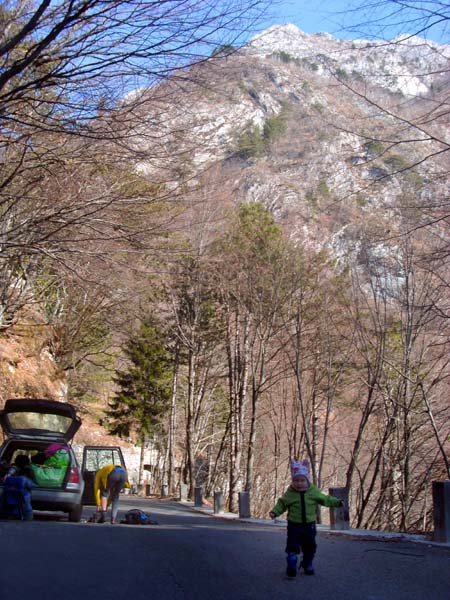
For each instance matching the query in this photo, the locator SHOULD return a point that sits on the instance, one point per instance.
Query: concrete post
(198, 500)
(339, 517)
(441, 511)
(244, 505)
(218, 502)
(164, 490)
(183, 491)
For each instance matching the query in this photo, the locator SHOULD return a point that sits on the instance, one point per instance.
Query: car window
(18, 452)
(99, 457)
(34, 420)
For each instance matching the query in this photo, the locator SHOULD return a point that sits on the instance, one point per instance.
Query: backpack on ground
(135, 516)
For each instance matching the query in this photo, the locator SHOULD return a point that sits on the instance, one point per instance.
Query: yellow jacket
(101, 479)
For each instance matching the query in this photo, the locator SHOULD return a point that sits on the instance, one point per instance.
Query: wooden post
(198, 500)
(339, 517)
(218, 502)
(441, 511)
(244, 505)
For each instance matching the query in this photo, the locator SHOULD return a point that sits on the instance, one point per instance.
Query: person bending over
(110, 480)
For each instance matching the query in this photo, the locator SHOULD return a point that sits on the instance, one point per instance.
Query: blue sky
(342, 19)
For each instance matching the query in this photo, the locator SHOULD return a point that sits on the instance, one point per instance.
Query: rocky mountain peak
(293, 122)
(397, 65)
(290, 38)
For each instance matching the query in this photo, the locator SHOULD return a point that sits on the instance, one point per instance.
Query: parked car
(94, 458)
(31, 426)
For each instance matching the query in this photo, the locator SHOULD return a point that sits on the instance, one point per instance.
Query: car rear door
(25, 418)
(94, 458)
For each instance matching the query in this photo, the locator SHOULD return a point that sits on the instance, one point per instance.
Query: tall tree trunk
(173, 425)
(190, 416)
(251, 443)
(141, 462)
(257, 384)
(237, 350)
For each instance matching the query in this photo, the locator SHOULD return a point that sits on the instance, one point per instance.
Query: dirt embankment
(27, 368)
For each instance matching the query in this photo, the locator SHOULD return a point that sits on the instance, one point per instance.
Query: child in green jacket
(300, 501)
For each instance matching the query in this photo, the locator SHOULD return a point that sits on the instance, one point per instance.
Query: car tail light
(74, 475)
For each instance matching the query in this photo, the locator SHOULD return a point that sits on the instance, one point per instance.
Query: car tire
(75, 513)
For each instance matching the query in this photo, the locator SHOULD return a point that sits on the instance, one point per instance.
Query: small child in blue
(18, 486)
(300, 501)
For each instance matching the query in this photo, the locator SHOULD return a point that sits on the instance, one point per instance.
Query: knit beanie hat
(300, 468)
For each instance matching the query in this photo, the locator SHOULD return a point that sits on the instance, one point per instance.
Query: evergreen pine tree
(144, 388)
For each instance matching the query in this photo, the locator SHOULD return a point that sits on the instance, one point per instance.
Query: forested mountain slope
(253, 266)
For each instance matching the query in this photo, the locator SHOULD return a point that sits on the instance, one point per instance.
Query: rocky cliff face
(398, 65)
(334, 137)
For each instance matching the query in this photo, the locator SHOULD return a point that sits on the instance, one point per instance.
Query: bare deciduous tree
(74, 80)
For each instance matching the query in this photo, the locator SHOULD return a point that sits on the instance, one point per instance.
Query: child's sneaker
(308, 570)
(291, 570)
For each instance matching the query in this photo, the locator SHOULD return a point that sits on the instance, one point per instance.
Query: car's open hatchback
(40, 419)
(31, 427)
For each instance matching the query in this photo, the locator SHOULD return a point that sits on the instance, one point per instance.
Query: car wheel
(75, 513)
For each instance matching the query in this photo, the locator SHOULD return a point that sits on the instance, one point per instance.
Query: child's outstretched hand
(272, 515)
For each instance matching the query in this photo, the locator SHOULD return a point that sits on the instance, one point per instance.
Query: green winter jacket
(303, 511)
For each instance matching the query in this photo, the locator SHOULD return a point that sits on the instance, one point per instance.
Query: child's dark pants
(302, 537)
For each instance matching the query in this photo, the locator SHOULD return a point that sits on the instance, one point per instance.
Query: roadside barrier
(441, 511)
(340, 517)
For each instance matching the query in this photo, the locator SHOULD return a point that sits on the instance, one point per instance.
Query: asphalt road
(191, 556)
